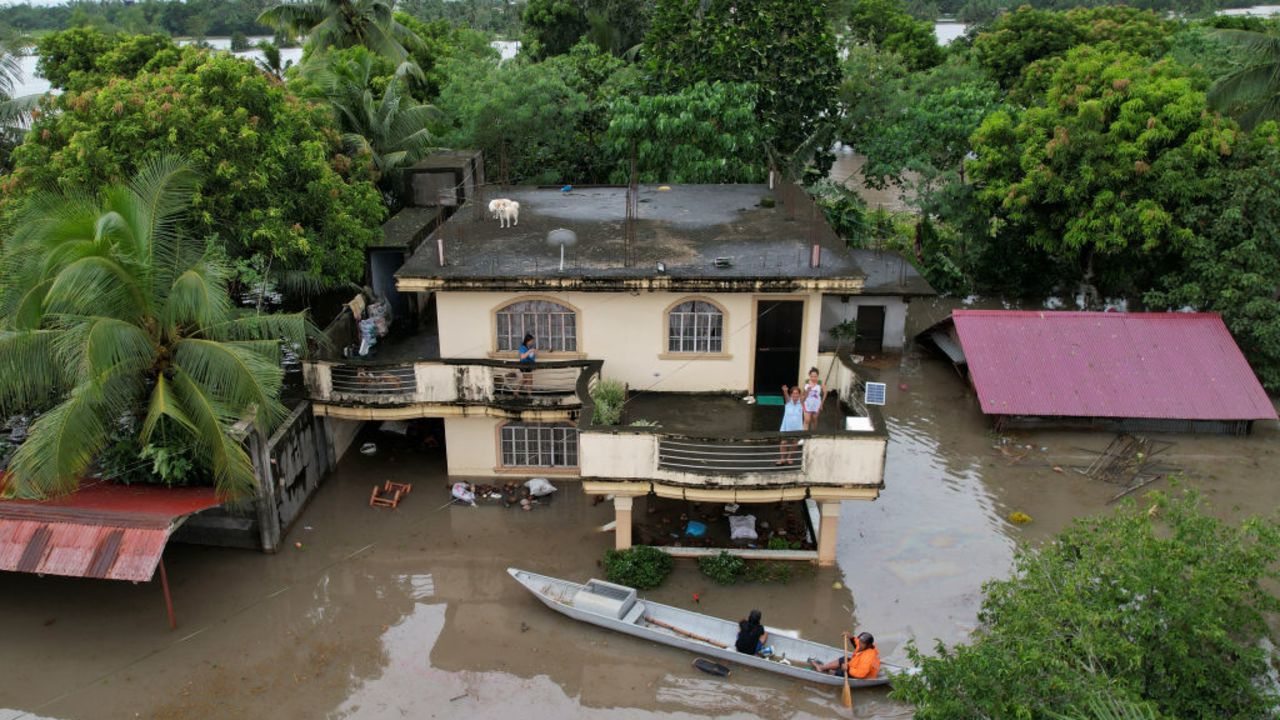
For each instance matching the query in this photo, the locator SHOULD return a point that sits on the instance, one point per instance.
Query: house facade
(701, 300)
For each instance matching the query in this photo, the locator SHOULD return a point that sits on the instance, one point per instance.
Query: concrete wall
(342, 433)
(629, 333)
(836, 311)
(290, 466)
(472, 445)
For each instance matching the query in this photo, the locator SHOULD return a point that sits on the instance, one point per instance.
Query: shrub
(608, 396)
(641, 567)
(724, 569)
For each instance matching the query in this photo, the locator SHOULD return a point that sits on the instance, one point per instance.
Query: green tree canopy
(1231, 264)
(343, 24)
(441, 41)
(86, 57)
(888, 25)
(1160, 608)
(270, 177)
(785, 49)
(108, 313)
(1104, 165)
(1252, 91)
(706, 133)
(553, 27)
(524, 116)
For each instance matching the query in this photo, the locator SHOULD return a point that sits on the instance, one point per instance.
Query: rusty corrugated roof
(103, 530)
(1181, 366)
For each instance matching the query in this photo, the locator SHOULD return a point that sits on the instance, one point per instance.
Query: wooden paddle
(847, 699)
(685, 633)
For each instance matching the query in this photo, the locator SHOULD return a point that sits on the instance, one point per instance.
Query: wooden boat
(617, 607)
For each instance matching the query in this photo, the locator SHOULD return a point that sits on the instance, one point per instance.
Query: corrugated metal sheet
(113, 532)
(1109, 365)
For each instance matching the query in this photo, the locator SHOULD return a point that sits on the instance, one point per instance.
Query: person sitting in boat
(751, 634)
(862, 664)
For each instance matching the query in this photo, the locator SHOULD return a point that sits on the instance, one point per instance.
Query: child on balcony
(792, 421)
(813, 393)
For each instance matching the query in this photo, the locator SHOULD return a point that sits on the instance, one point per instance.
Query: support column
(622, 522)
(827, 532)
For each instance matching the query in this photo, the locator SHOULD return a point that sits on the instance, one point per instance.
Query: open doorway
(779, 328)
(870, 337)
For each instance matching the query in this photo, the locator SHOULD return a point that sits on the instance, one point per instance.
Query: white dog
(507, 212)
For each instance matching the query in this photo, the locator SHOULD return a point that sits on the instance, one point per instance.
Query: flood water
(409, 613)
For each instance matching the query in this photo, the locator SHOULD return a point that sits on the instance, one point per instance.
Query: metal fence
(373, 384)
(783, 455)
(539, 382)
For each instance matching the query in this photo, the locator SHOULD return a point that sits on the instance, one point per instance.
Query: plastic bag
(462, 491)
(539, 487)
(742, 527)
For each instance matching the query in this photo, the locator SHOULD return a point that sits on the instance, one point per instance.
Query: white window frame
(698, 330)
(538, 445)
(554, 326)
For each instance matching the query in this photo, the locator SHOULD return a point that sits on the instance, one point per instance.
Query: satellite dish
(562, 237)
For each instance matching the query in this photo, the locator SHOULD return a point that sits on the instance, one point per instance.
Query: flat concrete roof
(686, 228)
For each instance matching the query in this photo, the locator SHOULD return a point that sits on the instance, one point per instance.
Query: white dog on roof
(507, 212)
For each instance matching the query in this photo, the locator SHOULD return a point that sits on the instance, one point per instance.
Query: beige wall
(628, 332)
(344, 433)
(472, 445)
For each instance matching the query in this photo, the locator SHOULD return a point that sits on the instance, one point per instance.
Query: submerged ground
(409, 613)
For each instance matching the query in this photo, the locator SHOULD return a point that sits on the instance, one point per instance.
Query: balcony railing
(466, 382)
(727, 452)
(730, 457)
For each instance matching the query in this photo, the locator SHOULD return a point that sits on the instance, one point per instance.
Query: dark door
(778, 329)
(870, 338)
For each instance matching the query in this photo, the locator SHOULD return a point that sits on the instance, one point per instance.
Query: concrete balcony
(699, 446)
(440, 388)
(722, 449)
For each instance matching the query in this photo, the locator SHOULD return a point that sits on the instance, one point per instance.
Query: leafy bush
(1159, 607)
(724, 569)
(608, 396)
(641, 567)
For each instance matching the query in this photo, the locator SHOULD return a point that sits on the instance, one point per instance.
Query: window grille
(695, 327)
(544, 445)
(554, 326)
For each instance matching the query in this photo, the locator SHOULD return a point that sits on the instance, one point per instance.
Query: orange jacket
(864, 663)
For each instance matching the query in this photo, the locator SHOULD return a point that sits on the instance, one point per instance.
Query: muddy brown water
(409, 613)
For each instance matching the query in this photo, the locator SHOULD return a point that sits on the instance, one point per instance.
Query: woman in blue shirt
(792, 421)
(528, 356)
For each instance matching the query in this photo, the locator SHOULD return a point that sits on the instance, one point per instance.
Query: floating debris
(1018, 517)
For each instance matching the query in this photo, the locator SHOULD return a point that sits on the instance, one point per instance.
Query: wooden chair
(384, 498)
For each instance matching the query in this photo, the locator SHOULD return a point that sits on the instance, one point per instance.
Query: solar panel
(874, 394)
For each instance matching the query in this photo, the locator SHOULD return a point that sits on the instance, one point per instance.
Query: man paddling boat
(862, 664)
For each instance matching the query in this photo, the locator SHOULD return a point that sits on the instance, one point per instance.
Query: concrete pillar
(827, 532)
(266, 504)
(622, 526)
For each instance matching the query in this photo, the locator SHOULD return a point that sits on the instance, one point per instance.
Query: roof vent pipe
(815, 258)
(440, 249)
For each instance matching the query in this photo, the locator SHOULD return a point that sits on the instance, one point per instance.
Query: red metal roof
(103, 530)
(1183, 366)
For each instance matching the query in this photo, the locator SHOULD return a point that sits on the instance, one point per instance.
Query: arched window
(554, 326)
(545, 445)
(695, 326)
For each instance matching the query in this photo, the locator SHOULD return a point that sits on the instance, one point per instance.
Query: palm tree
(108, 315)
(344, 24)
(1252, 93)
(15, 112)
(390, 129)
(270, 62)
